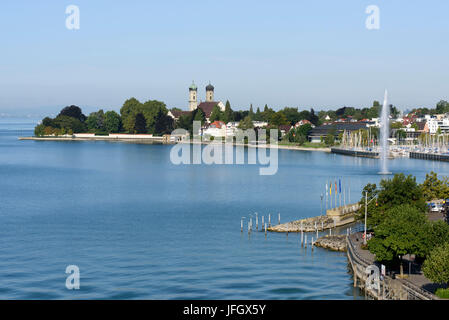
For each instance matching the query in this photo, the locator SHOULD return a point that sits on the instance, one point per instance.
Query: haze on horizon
(290, 53)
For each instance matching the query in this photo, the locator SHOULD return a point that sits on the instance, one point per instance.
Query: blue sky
(284, 53)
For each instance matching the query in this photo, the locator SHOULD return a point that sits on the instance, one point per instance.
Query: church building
(206, 106)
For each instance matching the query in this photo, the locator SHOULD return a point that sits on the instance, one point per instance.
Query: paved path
(416, 277)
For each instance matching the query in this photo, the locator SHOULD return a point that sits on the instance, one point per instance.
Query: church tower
(209, 93)
(193, 97)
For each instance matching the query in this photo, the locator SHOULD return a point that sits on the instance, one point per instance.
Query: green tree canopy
(436, 266)
(73, 112)
(394, 192)
(140, 125)
(434, 188)
(399, 233)
(278, 118)
(228, 114)
(246, 123)
(112, 122)
(216, 114)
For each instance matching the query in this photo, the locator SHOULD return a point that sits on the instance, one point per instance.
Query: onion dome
(210, 87)
(193, 87)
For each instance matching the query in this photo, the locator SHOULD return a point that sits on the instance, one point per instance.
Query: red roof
(217, 124)
(207, 107)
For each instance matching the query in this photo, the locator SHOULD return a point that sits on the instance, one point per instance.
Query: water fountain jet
(384, 135)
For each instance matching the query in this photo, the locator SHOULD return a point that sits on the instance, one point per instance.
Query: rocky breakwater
(335, 243)
(305, 225)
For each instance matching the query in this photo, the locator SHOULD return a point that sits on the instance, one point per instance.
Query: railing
(412, 291)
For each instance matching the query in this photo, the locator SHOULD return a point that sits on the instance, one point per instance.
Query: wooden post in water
(265, 229)
(241, 225)
(305, 240)
(269, 219)
(302, 237)
(317, 233)
(279, 218)
(257, 222)
(322, 226)
(263, 222)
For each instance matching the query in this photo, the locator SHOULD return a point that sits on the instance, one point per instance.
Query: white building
(216, 129)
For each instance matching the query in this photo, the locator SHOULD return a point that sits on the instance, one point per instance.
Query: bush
(442, 293)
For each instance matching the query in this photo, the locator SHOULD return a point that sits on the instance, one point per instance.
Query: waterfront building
(216, 129)
(206, 106)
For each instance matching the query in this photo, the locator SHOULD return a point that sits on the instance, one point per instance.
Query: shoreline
(153, 140)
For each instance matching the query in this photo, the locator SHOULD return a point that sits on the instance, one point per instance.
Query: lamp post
(366, 214)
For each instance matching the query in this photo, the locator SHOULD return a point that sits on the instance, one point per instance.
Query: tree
(216, 114)
(291, 114)
(433, 188)
(112, 122)
(395, 192)
(278, 118)
(95, 121)
(442, 107)
(313, 118)
(128, 113)
(163, 123)
(400, 233)
(435, 234)
(228, 113)
(304, 130)
(436, 266)
(329, 140)
(69, 123)
(140, 123)
(73, 112)
(246, 123)
(251, 111)
(198, 115)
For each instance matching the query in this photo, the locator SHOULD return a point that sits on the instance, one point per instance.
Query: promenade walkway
(416, 278)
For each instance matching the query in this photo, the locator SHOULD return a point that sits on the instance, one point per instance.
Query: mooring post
(313, 243)
(263, 221)
(279, 218)
(265, 229)
(269, 219)
(330, 231)
(302, 237)
(317, 233)
(322, 226)
(305, 240)
(241, 225)
(257, 222)
(251, 223)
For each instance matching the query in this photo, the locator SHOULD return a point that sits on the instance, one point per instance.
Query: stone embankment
(305, 225)
(335, 243)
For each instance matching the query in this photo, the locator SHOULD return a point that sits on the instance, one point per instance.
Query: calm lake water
(139, 227)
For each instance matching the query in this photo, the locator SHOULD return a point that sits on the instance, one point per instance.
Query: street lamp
(366, 214)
